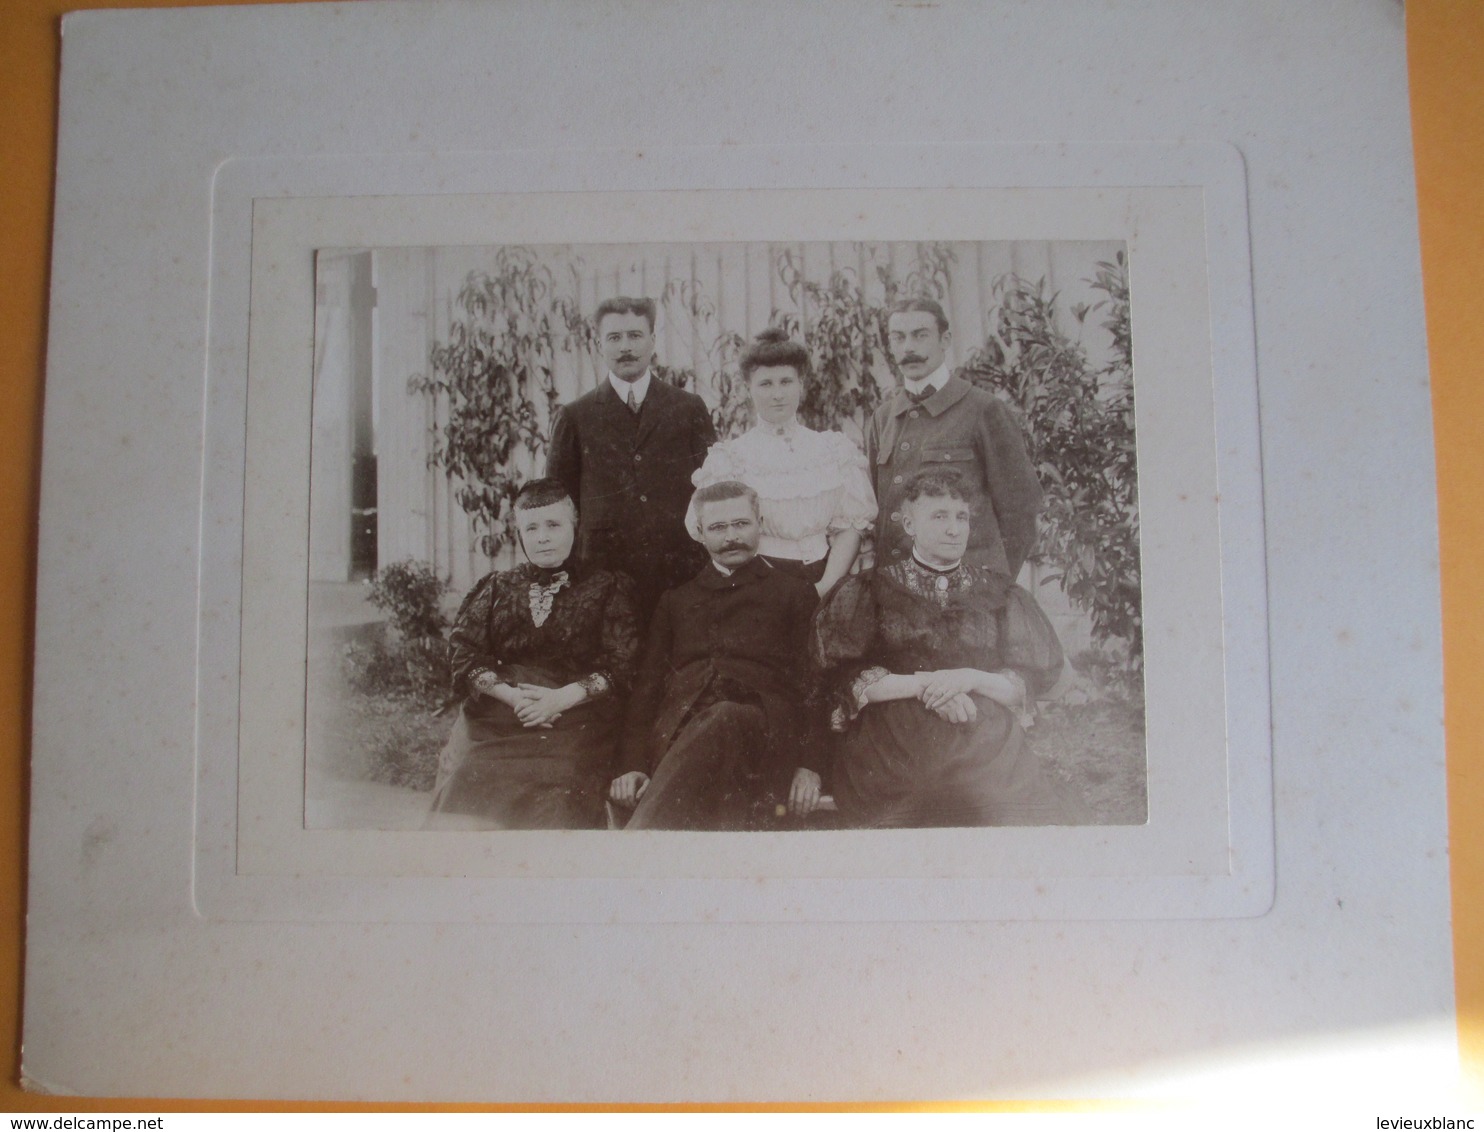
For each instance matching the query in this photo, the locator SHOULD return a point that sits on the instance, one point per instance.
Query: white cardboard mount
(130, 989)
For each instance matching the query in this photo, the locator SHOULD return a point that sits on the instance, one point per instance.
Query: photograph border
(268, 217)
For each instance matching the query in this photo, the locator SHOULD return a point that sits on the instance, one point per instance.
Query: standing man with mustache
(625, 453)
(937, 421)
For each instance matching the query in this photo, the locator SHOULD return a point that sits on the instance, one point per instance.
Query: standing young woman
(813, 487)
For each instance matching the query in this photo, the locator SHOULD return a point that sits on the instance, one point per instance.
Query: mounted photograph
(724, 536)
(679, 539)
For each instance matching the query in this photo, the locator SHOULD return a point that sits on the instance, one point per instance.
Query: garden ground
(373, 759)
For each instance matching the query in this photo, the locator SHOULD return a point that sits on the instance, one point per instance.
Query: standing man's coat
(961, 427)
(630, 475)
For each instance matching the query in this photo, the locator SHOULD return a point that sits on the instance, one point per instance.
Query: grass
(1098, 747)
(388, 737)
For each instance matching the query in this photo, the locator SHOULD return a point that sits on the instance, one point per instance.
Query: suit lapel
(656, 405)
(612, 409)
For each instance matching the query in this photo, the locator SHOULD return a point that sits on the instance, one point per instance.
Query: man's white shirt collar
(725, 573)
(937, 379)
(640, 387)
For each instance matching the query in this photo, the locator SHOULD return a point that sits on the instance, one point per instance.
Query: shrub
(411, 593)
(409, 658)
(1079, 425)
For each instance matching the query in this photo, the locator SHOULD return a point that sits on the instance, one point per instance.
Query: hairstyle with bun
(773, 347)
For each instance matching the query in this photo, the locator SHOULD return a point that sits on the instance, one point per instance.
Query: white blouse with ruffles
(810, 485)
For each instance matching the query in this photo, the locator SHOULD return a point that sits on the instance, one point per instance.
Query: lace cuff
(483, 681)
(841, 716)
(1024, 708)
(595, 684)
(859, 685)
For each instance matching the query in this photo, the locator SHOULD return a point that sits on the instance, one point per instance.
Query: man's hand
(803, 795)
(627, 789)
(960, 709)
(536, 706)
(938, 688)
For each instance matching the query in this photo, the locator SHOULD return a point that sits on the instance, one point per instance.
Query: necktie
(633, 403)
(922, 395)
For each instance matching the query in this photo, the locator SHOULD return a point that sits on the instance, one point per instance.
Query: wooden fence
(380, 312)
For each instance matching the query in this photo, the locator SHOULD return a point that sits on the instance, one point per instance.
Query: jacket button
(914, 414)
(896, 516)
(644, 499)
(637, 457)
(905, 445)
(896, 479)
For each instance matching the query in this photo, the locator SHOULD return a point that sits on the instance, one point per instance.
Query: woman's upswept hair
(773, 347)
(936, 482)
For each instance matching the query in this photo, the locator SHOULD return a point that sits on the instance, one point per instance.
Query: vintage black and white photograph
(724, 536)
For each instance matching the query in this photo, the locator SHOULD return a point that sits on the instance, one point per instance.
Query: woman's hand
(516, 699)
(960, 709)
(487, 685)
(938, 688)
(536, 706)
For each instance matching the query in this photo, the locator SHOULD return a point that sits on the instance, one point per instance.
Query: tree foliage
(495, 376)
(494, 380)
(840, 324)
(1079, 425)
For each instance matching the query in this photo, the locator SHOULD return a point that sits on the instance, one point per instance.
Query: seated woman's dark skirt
(500, 774)
(902, 766)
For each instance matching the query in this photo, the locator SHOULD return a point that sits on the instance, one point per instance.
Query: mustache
(735, 546)
(908, 358)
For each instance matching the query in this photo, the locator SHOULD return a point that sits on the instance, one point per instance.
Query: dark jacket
(969, 430)
(750, 629)
(630, 478)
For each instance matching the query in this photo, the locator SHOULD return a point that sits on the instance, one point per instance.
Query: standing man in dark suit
(935, 420)
(625, 453)
(717, 733)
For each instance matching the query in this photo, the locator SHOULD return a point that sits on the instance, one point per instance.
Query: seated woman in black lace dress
(933, 667)
(541, 655)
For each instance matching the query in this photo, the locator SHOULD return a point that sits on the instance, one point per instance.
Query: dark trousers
(706, 778)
